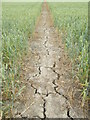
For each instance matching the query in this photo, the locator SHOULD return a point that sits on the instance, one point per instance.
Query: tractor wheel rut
(46, 76)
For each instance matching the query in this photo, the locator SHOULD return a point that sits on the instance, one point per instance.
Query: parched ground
(50, 91)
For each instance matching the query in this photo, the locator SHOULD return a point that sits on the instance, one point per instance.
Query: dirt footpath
(46, 71)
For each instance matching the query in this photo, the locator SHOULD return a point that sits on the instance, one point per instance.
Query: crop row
(71, 19)
(18, 23)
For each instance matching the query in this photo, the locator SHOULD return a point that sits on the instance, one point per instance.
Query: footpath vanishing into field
(50, 91)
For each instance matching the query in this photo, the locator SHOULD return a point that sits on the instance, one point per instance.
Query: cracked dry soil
(49, 89)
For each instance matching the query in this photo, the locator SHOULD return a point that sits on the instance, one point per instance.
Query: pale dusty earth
(50, 91)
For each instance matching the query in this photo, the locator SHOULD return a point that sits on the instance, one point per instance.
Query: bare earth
(50, 91)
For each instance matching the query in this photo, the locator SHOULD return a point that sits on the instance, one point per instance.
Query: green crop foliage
(18, 23)
(71, 19)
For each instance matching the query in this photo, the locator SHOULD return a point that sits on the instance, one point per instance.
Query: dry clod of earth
(49, 87)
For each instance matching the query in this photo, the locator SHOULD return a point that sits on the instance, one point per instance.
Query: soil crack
(68, 114)
(39, 70)
(44, 108)
(58, 75)
(36, 91)
(55, 89)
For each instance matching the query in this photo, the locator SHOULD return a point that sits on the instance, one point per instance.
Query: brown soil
(50, 91)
